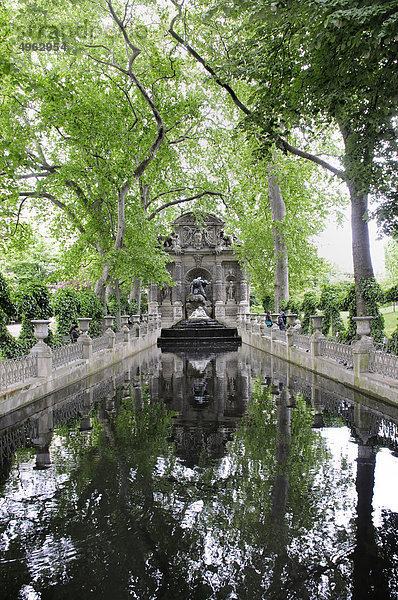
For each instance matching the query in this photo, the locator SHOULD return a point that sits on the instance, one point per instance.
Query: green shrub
(91, 306)
(33, 302)
(292, 306)
(6, 304)
(308, 307)
(330, 303)
(372, 294)
(9, 346)
(391, 295)
(66, 306)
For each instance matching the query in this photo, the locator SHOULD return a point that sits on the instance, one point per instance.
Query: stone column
(108, 324)
(244, 305)
(136, 325)
(153, 305)
(289, 337)
(263, 326)
(364, 346)
(85, 339)
(177, 289)
(219, 308)
(317, 337)
(125, 328)
(43, 352)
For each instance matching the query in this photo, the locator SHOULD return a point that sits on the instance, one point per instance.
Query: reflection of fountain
(42, 440)
(199, 387)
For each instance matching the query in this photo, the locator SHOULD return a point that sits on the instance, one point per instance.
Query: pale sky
(335, 245)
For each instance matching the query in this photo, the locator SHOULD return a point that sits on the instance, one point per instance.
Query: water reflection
(185, 476)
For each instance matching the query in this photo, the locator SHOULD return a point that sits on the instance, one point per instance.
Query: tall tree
(94, 145)
(311, 64)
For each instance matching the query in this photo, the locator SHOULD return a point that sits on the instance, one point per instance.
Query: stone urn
(84, 324)
(108, 321)
(40, 329)
(124, 319)
(291, 319)
(316, 321)
(363, 325)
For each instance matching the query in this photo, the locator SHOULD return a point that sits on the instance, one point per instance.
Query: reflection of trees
(257, 523)
(369, 567)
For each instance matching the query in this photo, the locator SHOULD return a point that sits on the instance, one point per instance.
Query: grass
(390, 319)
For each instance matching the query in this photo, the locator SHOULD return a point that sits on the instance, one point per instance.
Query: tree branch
(76, 221)
(280, 141)
(174, 202)
(312, 157)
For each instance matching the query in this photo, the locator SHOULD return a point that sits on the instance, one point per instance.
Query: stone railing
(17, 370)
(66, 354)
(337, 351)
(277, 334)
(361, 356)
(100, 343)
(384, 364)
(42, 361)
(301, 341)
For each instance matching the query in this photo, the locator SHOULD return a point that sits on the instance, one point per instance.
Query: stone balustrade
(358, 364)
(43, 362)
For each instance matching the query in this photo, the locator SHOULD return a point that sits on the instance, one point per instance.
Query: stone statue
(230, 291)
(175, 243)
(198, 287)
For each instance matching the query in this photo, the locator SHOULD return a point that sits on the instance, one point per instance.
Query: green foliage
(114, 306)
(330, 305)
(91, 306)
(391, 261)
(393, 342)
(308, 307)
(69, 304)
(33, 302)
(28, 258)
(373, 295)
(292, 306)
(9, 346)
(133, 307)
(66, 306)
(391, 295)
(6, 304)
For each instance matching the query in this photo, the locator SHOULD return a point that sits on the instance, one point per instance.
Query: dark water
(231, 476)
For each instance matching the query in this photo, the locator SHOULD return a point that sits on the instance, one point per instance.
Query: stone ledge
(37, 387)
(373, 384)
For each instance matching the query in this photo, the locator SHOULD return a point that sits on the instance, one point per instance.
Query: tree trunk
(362, 260)
(100, 285)
(278, 213)
(135, 293)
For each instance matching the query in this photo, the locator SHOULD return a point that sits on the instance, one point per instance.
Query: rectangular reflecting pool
(200, 477)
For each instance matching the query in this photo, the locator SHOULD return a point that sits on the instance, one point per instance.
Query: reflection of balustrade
(66, 354)
(17, 370)
(337, 351)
